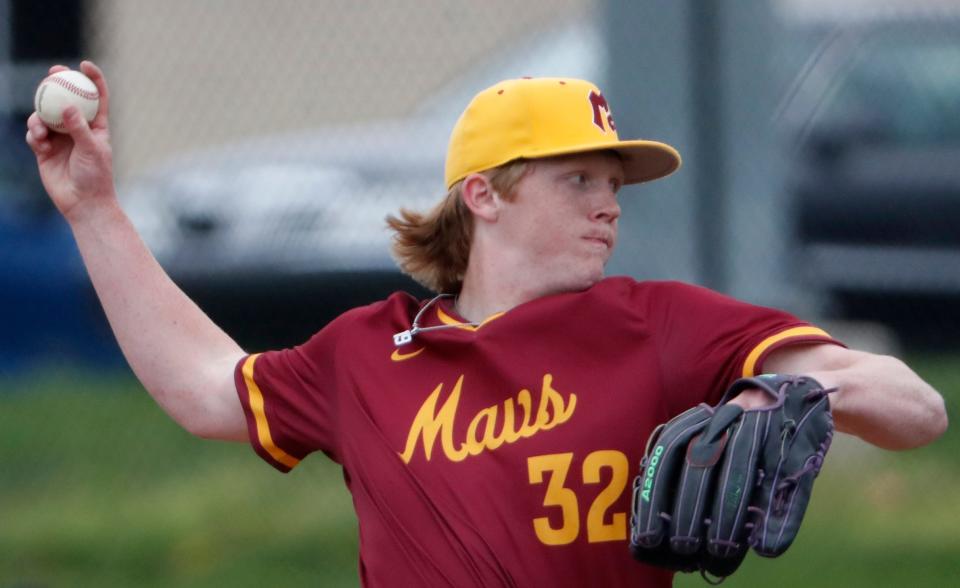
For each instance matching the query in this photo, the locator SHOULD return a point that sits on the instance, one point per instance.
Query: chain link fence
(259, 145)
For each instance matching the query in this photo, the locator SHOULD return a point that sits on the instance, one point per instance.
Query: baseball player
(488, 435)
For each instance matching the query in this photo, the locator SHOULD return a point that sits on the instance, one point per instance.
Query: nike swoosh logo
(397, 356)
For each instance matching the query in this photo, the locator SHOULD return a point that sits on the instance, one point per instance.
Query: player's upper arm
(812, 357)
(219, 414)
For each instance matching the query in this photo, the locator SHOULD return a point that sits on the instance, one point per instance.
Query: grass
(875, 520)
(99, 488)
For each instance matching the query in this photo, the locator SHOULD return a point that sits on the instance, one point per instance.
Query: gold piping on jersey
(750, 365)
(449, 320)
(260, 416)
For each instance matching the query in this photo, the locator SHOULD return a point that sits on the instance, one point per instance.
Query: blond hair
(434, 247)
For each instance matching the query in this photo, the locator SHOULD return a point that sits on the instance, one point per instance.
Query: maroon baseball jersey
(503, 454)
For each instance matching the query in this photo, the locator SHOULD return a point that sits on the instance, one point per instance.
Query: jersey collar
(451, 317)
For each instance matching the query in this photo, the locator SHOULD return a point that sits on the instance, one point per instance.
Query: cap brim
(643, 161)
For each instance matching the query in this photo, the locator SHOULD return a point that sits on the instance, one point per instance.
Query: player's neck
(476, 304)
(489, 288)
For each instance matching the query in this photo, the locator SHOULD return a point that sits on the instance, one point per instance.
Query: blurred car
(873, 129)
(275, 236)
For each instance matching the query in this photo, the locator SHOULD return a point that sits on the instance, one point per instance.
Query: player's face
(563, 219)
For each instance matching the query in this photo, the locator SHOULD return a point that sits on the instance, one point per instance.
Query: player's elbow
(931, 421)
(927, 405)
(890, 405)
(938, 418)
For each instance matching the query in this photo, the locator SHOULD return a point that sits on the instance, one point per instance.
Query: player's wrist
(752, 398)
(95, 209)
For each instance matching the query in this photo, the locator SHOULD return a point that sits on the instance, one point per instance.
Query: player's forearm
(882, 401)
(180, 356)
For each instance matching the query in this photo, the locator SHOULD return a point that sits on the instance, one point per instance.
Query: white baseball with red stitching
(62, 89)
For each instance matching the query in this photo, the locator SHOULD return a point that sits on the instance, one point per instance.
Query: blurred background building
(259, 145)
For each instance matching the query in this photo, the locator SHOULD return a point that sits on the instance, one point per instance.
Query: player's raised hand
(76, 167)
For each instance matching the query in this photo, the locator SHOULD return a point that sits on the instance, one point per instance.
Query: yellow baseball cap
(543, 117)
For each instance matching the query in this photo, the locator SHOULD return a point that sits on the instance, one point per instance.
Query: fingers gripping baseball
(76, 166)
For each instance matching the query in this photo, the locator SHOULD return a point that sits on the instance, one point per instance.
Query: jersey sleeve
(289, 398)
(707, 340)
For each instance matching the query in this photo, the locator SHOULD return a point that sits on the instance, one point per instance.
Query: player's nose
(607, 208)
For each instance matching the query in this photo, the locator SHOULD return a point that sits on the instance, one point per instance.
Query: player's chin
(575, 272)
(596, 267)
(590, 274)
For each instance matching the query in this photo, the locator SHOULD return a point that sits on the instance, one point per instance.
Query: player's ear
(480, 197)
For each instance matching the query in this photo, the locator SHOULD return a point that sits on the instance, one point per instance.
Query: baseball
(62, 89)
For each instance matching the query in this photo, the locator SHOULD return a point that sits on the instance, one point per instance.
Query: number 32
(558, 495)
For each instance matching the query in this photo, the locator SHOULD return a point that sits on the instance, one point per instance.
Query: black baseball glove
(715, 481)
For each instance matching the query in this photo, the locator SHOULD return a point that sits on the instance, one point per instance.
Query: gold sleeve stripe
(750, 365)
(263, 428)
(449, 320)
